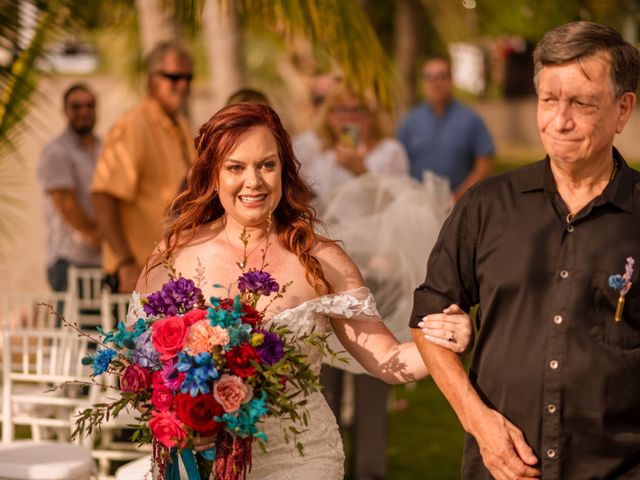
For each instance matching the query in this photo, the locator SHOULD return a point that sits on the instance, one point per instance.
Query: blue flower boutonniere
(622, 283)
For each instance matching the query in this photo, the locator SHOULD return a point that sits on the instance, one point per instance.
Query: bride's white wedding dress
(323, 457)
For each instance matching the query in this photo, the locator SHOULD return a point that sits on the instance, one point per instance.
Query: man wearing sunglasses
(444, 136)
(144, 161)
(65, 169)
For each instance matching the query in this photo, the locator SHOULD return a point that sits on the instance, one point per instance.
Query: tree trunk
(154, 24)
(223, 41)
(406, 50)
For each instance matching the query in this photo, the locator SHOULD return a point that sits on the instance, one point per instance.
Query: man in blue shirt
(444, 136)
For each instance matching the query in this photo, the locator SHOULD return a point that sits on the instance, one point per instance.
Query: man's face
(436, 80)
(80, 110)
(578, 115)
(171, 83)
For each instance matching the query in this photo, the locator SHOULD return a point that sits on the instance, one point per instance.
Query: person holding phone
(349, 140)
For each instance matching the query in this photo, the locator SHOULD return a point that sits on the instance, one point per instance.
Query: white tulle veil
(388, 225)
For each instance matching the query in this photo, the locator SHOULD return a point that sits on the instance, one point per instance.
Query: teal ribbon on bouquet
(189, 462)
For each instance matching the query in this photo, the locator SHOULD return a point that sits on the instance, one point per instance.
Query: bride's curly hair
(199, 203)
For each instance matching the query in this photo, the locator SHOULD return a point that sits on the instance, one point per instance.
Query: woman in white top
(349, 140)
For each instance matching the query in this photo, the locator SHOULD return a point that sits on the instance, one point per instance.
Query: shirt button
(557, 319)
(553, 364)
(551, 408)
(564, 274)
(570, 228)
(551, 453)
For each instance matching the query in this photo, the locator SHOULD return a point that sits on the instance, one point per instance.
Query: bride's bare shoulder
(338, 268)
(199, 243)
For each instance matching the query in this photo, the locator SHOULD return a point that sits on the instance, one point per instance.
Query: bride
(245, 178)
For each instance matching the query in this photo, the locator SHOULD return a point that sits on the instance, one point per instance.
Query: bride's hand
(201, 443)
(451, 329)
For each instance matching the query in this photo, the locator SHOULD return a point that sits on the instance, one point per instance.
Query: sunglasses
(436, 76)
(79, 105)
(176, 77)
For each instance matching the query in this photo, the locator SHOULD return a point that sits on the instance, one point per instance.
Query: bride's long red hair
(199, 203)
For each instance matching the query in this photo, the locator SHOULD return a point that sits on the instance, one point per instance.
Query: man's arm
(482, 168)
(502, 446)
(65, 202)
(108, 216)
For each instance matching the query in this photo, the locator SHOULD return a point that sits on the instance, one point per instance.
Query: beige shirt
(143, 163)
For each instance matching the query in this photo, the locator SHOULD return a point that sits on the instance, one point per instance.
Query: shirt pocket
(624, 334)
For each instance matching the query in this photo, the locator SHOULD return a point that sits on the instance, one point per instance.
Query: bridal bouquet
(204, 369)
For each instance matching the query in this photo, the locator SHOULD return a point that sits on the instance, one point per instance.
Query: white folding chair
(137, 470)
(85, 288)
(113, 309)
(42, 357)
(24, 310)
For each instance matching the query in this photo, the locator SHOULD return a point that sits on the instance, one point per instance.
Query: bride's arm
(369, 340)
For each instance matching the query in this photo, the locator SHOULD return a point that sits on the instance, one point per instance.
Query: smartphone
(350, 135)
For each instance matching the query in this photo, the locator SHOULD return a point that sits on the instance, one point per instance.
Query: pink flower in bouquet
(167, 429)
(168, 377)
(161, 398)
(231, 392)
(168, 336)
(135, 378)
(202, 337)
(193, 316)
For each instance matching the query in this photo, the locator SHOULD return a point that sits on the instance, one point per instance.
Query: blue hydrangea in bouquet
(205, 369)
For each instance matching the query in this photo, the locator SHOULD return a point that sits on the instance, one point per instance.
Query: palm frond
(19, 78)
(339, 27)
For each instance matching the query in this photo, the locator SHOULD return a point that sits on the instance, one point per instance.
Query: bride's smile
(250, 181)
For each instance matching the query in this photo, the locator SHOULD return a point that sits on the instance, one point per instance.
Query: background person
(65, 169)
(444, 136)
(143, 164)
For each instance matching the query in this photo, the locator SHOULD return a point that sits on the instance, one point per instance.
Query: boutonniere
(622, 283)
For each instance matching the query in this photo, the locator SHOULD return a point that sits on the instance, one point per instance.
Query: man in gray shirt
(65, 170)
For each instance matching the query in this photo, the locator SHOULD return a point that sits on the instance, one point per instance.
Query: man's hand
(504, 450)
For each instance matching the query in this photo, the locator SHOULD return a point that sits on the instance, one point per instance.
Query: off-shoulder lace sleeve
(356, 304)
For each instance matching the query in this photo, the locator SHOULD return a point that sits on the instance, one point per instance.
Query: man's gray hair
(153, 60)
(576, 40)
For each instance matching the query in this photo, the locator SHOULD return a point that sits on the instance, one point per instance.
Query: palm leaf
(19, 79)
(339, 27)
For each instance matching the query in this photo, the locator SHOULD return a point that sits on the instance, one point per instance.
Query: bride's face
(250, 180)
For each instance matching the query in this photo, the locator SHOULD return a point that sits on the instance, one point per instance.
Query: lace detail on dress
(349, 304)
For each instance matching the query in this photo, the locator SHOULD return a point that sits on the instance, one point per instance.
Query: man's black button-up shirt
(549, 355)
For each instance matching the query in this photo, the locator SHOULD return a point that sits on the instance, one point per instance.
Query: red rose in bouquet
(239, 360)
(135, 378)
(168, 336)
(198, 412)
(250, 315)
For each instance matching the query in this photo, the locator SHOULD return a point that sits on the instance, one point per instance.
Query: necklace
(243, 263)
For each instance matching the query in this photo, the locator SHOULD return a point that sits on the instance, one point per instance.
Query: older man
(553, 388)
(144, 161)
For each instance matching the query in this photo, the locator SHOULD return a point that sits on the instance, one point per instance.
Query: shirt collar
(158, 114)
(619, 191)
(73, 136)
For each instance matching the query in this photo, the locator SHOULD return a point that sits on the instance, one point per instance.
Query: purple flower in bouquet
(172, 378)
(271, 349)
(144, 353)
(176, 296)
(258, 282)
